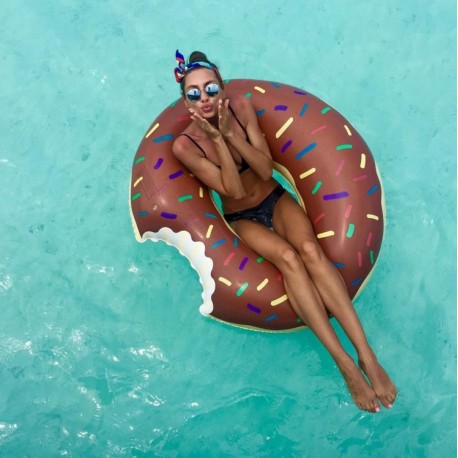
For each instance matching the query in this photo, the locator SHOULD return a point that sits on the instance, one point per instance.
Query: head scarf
(182, 68)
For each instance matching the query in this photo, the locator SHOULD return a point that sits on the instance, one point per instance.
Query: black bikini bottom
(262, 213)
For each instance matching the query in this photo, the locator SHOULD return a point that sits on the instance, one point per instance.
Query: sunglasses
(211, 90)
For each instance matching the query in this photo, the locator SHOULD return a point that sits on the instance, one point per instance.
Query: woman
(225, 148)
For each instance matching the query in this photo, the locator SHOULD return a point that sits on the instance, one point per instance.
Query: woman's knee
(288, 258)
(311, 252)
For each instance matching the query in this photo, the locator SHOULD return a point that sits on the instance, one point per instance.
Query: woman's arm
(257, 154)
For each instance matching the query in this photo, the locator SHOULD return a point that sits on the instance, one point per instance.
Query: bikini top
(244, 164)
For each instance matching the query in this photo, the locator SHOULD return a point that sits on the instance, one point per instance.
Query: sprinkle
(344, 146)
(306, 150)
(323, 235)
(370, 216)
(360, 259)
(280, 107)
(317, 129)
(351, 229)
(176, 174)
(318, 218)
(284, 127)
(164, 138)
(307, 173)
(138, 181)
(260, 89)
(337, 195)
(209, 231)
(339, 265)
(260, 112)
(298, 319)
(228, 259)
(242, 289)
(372, 190)
(158, 163)
(248, 95)
(325, 110)
(279, 300)
(210, 215)
(142, 214)
(243, 263)
(361, 177)
(317, 186)
(201, 192)
(371, 255)
(185, 197)
(218, 243)
(277, 85)
(140, 159)
(303, 110)
(347, 129)
(339, 167)
(362, 163)
(152, 130)
(253, 308)
(168, 215)
(225, 281)
(183, 118)
(369, 239)
(300, 92)
(236, 242)
(348, 211)
(286, 146)
(262, 284)
(357, 281)
(271, 317)
(260, 259)
(136, 196)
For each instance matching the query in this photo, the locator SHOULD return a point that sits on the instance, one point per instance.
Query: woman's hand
(224, 121)
(212, 132)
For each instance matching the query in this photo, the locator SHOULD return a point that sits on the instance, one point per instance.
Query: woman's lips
(207, 108)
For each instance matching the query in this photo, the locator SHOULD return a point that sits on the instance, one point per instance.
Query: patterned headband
(181, 69)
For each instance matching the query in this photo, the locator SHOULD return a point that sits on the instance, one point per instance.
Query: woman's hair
(198, 56)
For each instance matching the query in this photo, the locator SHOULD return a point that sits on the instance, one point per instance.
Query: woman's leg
(291, 223)
(307, 303)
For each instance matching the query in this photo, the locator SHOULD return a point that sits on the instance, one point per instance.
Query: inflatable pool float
(325, 160)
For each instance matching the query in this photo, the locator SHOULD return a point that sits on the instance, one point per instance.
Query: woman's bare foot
(383, 386)
(361, 392)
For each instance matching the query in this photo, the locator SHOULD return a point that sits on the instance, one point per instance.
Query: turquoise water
(102, 349)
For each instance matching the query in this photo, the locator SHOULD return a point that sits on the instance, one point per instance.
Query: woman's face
(203, 87)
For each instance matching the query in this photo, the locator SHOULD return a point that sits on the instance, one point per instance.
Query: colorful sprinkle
(164, 138)
(339, 265)
(169, 215)
(142, 214)
(348, 130)
(176, 174)
(260, 112)
(242, 289)
(138, 181)
(277, 85)
(262, 284)
(307, 173)
(282, 129)
(209, 231)
(370, 216)
(369, 239)
(279, 300)
(228, 259)
(140, 159)
(236, 242)
(317, 129)
(185, 197)
(348, 211)
(337, 195)
(362, 163)
(260, 259)
(218, 243)
(286, 146)
(136, 196)
(325, 110)
(339, 167)
(323, 235)
(248, 95)
(306, 150)
(303, 109)
(371, 255)
(280, 107)
(344, 146)
(225, 281)
(158, 163)
(183, 118)
(360, 259)
(372, 190)
(300, 92)
(253, 308)
(210, 215)
(357, 281)
(351, 229)
(152, 130)
(318, 218)
(361, 177)
(271, 317)
(260, 89)
(201, 192)
(317, 187)
(243, 263)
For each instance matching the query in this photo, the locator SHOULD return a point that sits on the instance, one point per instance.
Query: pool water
(102, 349)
